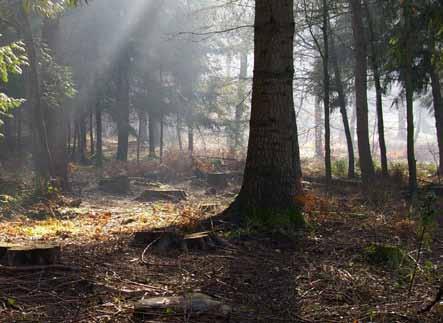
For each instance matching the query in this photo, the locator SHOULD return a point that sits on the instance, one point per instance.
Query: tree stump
(217, 180)
(193, 304)
(3, 252)
(161, 240)
(115, 185)
(162, 195)
(202, 241)
(33, 255)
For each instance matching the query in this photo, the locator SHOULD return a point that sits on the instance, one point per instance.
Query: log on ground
(193, 304)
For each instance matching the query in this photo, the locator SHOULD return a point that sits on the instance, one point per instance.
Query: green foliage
(49, 8)
(340, 167)
(12, 57)
(385, 255)
(57, 80)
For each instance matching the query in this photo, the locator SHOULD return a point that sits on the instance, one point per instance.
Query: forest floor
(353, 262)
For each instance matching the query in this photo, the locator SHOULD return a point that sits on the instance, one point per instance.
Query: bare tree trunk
(240, 108)
(74, 142)
(379, 93)
(19, 130)
(438, 112)
(409, 88)
(343, 111)
(91, 132)
(179, 135)
(190, 138)
(326, 89)
(161, 136)
(123, 87)
(318, 130)
(152, 137)
(41, 154)
(366, 165)
(99, 137)
(270, 178)
(82, 139)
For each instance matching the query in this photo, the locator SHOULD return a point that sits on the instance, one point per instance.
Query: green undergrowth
(385, 255)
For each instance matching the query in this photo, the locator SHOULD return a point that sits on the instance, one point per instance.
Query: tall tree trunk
(91, 132)
(152, 137)
(143, 124)
(82, 139)
(318, 130)
(407, 63)
(361, 97)
(18, 118)
(161, 136)
(270, 178)
(240, 108)
(99, 137)
(190, 138)
(326, 95)
(378, 92)
(179, 134)
(438, 112)
(123, 88)
(343, 110)
(41, 152)
(74, 142)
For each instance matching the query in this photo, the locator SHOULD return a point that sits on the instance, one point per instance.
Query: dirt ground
(321, 275)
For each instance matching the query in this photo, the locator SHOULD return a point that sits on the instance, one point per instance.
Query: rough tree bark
(152, 135)
(123, 106)
(326, 95)
(361, 97)
(343, 110)
(270, 178)
(406, 63)
(378, 91)
(438, 112)
(240, 108)
(318, 130)
(41, 153)
(99, 136)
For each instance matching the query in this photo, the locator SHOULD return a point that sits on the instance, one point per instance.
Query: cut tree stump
(33, 255)
(3, 251)
(193, 304)
(161, 240)
(198, 241)
(217, 180)
(115, 185)
(162, 195)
